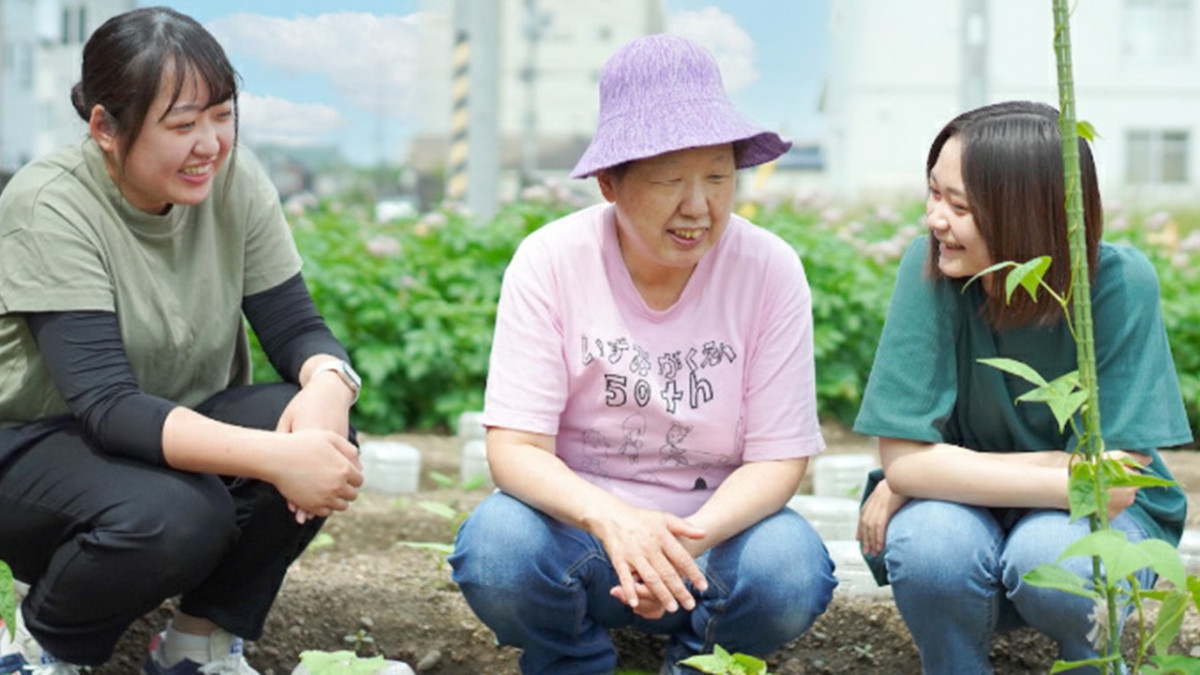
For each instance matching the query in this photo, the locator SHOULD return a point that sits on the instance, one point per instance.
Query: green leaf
(1193, 589)
(1122, 557)
(1058, 578)
(1173, 664)
(1063, 395)
(340, 663)
(1060, 666)
(1027, 275)
(1017, 368)
(439, 509)
(1086, 130)
(322, 540)
(988, 270)
(1170, 618)
(435, 546)
(1081, 490)
(8, 599)
(441, 479)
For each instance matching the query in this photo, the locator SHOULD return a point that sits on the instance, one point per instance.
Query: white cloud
(276, 121)
(729, 42)
(368, 58)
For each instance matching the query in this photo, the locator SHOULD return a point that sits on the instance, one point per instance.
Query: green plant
(721, 662)
(8, 599)
(340, 663)
(1074, 399)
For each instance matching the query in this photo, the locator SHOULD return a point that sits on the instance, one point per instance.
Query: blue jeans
(957, 579)
(544, 586)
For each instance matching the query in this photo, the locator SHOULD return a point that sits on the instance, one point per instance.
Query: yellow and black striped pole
(456, 166)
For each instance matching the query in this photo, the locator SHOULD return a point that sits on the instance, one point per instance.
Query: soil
(399, 600)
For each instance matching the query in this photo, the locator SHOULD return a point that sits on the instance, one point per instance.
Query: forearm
(193, 442)
(954, 473)
(537, 477)
(752, 492)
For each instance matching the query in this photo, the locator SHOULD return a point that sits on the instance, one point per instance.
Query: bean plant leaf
(439, 509)
(1063, 666)
(435, 546)
(1172, 664)
(1170, 619)
(1122, 557)
(995, 267)
(1063, 395)
(8, 599)
(1193, 588)
(340, 663)
(1086, 130)
(1027, 275)
(1049, 575)
(1081, 490)
(1017, 368)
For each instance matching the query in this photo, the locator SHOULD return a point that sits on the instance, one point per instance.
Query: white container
(854, 577)
(834, 518)
(474, 461)
(841, 475)
(469, 426)
(391, 467)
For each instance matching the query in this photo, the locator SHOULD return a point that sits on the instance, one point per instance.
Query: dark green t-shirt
(927, 384)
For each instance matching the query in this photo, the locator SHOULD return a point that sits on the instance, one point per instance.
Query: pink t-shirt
(656, 407)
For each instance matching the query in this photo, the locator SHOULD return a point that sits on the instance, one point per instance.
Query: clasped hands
(653, 554)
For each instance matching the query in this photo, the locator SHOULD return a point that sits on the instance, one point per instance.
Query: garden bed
(399, 601)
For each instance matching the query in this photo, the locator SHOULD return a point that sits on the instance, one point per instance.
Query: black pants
(102, 539)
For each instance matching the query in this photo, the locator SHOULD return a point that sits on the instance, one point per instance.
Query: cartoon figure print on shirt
(673, 380)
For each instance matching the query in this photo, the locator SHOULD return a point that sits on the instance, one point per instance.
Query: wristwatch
(344, 371)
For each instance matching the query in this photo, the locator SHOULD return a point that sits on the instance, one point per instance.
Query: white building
(42, 48)
(903, 69)
(547, 61)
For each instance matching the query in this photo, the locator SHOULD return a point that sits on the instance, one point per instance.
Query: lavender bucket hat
(662, 93)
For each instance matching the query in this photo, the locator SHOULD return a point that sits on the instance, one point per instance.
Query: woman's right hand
(1122, 498)
(645, 550)
(318, 473)
(876, 513)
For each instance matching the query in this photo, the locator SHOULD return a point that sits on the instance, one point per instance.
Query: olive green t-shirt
(927, 384)
(69, 241)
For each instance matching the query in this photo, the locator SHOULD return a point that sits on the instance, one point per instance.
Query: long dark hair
(124, 61)
(1013, 176)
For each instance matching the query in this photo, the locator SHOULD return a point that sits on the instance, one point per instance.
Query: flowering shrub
(414, 300)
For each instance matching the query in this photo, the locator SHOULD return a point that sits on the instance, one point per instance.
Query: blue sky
(304, 82)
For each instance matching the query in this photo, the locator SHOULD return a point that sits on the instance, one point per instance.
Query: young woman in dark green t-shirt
(975, 492)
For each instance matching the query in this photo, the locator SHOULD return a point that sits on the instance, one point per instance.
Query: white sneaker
(225, 650)
(22, 655)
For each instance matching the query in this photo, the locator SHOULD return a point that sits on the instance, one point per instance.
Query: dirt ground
(400, 602)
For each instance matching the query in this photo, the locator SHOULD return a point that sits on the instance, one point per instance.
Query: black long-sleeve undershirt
(86, 359)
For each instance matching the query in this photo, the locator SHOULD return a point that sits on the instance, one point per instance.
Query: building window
(1156, 157)
(64, 36)
(1158, 31)
(82, 26)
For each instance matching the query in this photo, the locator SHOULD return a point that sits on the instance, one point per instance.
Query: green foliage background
(415, 300)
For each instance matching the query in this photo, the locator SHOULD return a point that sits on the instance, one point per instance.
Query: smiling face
(179, 149)
(962, 251)
(671, 210)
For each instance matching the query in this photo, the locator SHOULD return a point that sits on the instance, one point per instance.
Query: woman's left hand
(875, 515)
(323, 403)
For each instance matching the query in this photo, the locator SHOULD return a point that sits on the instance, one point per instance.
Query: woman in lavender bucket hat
(650, 402)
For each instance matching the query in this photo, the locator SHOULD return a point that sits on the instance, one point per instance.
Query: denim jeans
(543, 586)
(957, 579)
